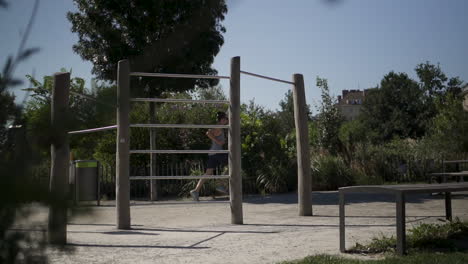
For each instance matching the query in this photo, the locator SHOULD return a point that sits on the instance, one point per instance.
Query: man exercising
(214, 160)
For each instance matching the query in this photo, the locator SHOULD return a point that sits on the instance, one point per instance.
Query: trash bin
(85, 180)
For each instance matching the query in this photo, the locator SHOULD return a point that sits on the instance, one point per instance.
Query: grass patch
(450, 236)
(445, 243)
(420, 258)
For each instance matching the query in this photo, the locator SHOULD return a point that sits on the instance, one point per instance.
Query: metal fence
(167, 189)
(140, 189)
(413, 171)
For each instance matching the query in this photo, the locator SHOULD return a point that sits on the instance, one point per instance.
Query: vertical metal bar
(76, 184)
(172, 168)
(60, 151)
(234, 143)
(122, 188)
(302, 146)
(98, 200)
(444, 177)
(153, 158)
(177, 169)
(106, 181)
(103, 178)
(400, 223)
(448, 206)
(342, 221)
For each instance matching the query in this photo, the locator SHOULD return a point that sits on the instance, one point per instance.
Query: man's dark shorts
(217, 160)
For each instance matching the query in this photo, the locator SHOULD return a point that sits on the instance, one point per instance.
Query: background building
(350, 103)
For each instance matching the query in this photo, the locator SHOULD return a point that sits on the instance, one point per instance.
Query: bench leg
(342, 222)
(448, 206)
(400, 223)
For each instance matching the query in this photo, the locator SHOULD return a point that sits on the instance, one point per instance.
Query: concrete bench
(444, 175)
(400, 192)
(459, 175)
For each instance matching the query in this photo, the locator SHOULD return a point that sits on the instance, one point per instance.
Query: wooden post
(122, 186)
(448, 206)
(60, 152)
(235, 180)
(400, 223)
(342, 222)
(98, 182)
(302, 146)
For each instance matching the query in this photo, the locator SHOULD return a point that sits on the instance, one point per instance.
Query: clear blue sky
(351, 43)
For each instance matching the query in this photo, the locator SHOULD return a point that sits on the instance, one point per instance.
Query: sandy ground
(183, 232)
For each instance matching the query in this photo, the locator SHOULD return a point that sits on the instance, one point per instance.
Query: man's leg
(221, 187)
(201, 181)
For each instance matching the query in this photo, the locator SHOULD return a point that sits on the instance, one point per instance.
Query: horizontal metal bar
(190, 177)
(454, 161)
(460, 173)
(266, 77)
(175, 75)
(178, 126)
(164, 100)
(189, 202)
(92, 130)
(158, 151)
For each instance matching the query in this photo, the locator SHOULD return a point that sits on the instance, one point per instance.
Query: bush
(330, 172)
(276, 176)
(441, 237)
(401, 160)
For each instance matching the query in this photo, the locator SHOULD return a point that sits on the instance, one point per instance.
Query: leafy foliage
(329, 120)
(440, 237)
(156, 36)
(331, 172)
(84, 113)
(449, 127)
(404, 108)
(395, 109)
(432, 79)
(426, 258)
(405, 128)
(352, 135)
(268, 147)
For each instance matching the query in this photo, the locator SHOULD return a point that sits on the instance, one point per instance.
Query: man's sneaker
(195, 195)
(221, 189)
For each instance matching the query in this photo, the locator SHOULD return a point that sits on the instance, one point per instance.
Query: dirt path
(199, 233)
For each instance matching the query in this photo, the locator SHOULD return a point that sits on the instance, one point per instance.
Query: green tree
(181, 36)
(450, 126)
(286, 112)
(329, 120)
(85, 113)
(266, 140)
(435, 85)
(432, 79)
(454, 86)
(395, 109)
(351, 135)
